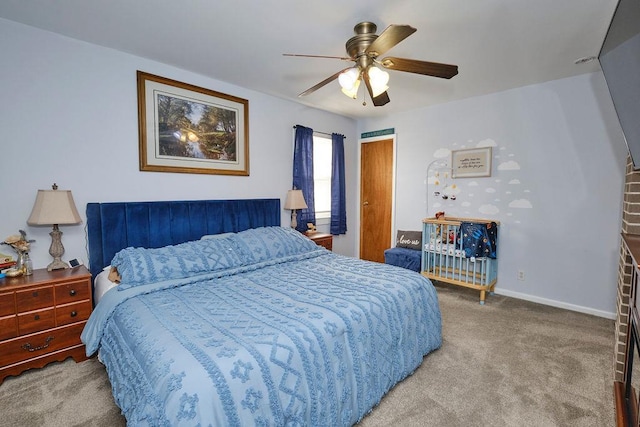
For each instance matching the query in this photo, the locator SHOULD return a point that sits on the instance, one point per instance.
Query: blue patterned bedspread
(309, 338)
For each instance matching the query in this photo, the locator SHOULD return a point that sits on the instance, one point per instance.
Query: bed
(222, 317)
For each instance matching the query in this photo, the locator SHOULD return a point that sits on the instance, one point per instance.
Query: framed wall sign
(469, 163)
(190, 129)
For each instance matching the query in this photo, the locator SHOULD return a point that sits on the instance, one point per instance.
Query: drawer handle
(34, 294)
(74, 313)
(28, 346)
(36, 317)
(72, 292)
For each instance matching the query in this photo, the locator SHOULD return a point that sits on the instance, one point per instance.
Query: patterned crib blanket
(478, 239)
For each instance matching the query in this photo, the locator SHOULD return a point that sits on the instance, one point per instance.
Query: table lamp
(294, 201)
(55, 207)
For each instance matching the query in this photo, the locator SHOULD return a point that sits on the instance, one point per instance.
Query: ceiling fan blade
(379, 100)
(391, 36)
(434, 69)
(344, 58)
(324, 82)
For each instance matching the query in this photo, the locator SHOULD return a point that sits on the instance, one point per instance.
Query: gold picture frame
(189, 129)
(471, 163)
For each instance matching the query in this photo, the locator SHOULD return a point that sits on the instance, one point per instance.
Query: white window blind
(322, 175)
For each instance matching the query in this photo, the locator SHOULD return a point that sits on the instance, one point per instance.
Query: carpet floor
(507, 363)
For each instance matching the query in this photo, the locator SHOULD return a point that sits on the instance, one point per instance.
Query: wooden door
(376, 198)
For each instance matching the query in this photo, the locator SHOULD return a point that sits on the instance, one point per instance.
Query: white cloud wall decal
(521, 204)
(441, 153)
(509, 166)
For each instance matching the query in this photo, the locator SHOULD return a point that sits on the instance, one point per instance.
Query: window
(322, 175)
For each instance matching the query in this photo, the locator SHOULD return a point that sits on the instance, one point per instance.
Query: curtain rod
(323, 133)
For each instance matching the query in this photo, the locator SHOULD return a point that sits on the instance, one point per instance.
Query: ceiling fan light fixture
(352, 92)
(377, 76)
(378, 80)
(378, 90)
(350, 82)
(349, 78)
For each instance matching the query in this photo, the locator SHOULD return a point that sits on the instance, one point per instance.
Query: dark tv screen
(620, 62)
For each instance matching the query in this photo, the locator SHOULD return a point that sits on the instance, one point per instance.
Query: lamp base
(294, 219)
(56, 250)
(57, 264)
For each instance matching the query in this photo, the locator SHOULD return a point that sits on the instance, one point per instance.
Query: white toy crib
(444, 258)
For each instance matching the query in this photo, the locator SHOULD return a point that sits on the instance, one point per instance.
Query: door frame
(393, 185)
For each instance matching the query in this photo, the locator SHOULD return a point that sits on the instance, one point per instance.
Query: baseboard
(557, 304)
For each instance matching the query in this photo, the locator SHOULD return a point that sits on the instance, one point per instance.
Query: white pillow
(102, 284)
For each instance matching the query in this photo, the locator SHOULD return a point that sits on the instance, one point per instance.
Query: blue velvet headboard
(115, 226)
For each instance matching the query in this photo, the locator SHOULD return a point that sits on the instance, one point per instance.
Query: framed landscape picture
(190, 129)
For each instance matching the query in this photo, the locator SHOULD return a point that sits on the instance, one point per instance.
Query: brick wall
(631, 225)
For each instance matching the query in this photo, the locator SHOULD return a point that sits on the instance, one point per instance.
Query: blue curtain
(338, 203)
(303, 175)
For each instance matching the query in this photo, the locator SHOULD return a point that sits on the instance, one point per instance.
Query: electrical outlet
(521, 275)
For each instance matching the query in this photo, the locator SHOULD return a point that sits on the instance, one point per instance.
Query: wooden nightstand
(42, 317)
(322, 239)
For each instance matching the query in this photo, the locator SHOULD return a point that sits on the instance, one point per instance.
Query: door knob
(365, 204)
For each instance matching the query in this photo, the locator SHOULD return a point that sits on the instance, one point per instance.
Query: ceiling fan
(364, 49)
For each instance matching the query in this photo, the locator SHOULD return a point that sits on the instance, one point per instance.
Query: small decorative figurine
(311, 228)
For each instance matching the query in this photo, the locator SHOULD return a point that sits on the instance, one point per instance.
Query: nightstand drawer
(72, 313)
(35, 321)
(8, 327)
(34, 298)
(72, 292)
(7, 304)
(27, 347)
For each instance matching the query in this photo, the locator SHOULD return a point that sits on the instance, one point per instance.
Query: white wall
(69, 115)
(556, 185)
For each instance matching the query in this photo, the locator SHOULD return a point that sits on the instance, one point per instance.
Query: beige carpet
(507, 363)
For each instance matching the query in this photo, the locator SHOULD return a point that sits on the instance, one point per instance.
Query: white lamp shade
(295, 200)
(353, 91)
(378, 80)
(378, 77)
(54, 207)
(348, 78)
